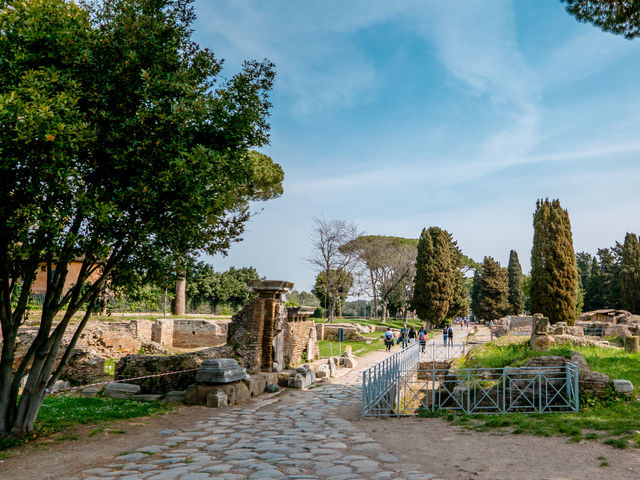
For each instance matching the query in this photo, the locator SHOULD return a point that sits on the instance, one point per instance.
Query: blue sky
(406, 114)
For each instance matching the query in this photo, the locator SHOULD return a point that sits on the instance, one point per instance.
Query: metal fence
(397, 387)
(380, 382)
(437, 352)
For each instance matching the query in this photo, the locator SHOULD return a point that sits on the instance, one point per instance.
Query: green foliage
(121, 145)
(492, 295)
(219, 289)
(554, 273)
(630, 274)
(302, 298)
(459, 305)
(341, 283)
(516, 294)
(433, 287)
(621, 17)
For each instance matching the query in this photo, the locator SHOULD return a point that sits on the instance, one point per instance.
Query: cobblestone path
(299, 437)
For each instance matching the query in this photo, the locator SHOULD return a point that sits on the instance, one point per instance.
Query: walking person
(450, 334)
(388, 339)
(444, 335)
(404, 336)
(412, 335)
(422, 338)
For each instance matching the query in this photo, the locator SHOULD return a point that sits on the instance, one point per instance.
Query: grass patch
(391, 322)
(60, 413)
(614, 420)
(359, 349)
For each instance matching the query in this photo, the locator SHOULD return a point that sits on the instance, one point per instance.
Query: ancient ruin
(266, 336)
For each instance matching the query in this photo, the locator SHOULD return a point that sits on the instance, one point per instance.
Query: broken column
(256, 333)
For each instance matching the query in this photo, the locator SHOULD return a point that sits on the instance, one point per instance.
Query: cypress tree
(630, 274)
(594, 296)
(493, 291)
(475, 290)
(516, 295)
(459, 305)
(433, 289)
(554, 273)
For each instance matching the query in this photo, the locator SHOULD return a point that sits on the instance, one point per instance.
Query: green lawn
(62, 412)
(391, 322)
(614, 421)
(329, 347)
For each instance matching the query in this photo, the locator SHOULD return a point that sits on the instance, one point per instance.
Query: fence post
(540, 389)
(468, 391)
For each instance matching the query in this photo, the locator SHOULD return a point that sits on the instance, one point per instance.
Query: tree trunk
(375, 295)
(181, 295)
(384, 313)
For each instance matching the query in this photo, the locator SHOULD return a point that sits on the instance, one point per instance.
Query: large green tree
(121, 145)
(433, 285)
(493, 291)
(390, 266)
(516, 295)
(630, 274)
(554, 273)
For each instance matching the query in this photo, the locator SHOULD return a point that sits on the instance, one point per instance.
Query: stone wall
(162, 332)
(296, 341)
(141, 365)
(253, 331)
(194, 333)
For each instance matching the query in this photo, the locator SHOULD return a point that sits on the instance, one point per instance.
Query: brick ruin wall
(296, 340)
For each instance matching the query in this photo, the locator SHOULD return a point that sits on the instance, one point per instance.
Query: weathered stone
(217, 398)
(196, 394)
(623, 386)
(323, 371)
(175, 396)
(220, 370)
(272, 388)
(540, 324)
(148, 397)
(142, 365)
(121, 390)
(237, 392)
(91, 391)
(350, 362)
(256, 384)
(332, 367)
(632, 344)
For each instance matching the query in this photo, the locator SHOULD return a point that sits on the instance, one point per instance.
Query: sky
(408, 114)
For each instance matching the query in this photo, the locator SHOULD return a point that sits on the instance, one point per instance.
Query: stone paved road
(299, 437)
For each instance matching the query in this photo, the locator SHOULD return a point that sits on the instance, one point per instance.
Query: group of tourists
(406, 337)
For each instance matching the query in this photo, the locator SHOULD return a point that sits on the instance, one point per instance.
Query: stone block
(332, 367)
(350, 362)
(632, 344)
(237, 393)
(283, 378)
(121, 390)
(256, 384)
(270, 377)
(148, 397)
(217, 398)
(541, 342)
(220, 370)
(303, 378)
(175, 396)
(323, 371)
(540, 324)
(91, 391)
(623, 386)
(196, 394)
